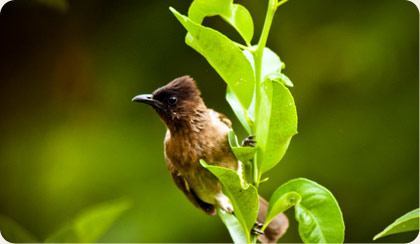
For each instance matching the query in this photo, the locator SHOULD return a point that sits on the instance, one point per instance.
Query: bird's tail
(277, 226)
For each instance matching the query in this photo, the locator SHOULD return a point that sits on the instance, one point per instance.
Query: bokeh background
(71, 138)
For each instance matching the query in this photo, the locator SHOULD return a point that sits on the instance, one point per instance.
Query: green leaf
(199, 9)
(272, 66)
(271, 63)
(281, 204)
(407, 222)
(241, 20)
(14, 232)
(276, 123)
(280, 77)
(223, 55)
(239, 110)
(91, 224)
(317, 211)
(244, 197)
(234, 227)
(244, 153)
(234, 14)
(241, 153)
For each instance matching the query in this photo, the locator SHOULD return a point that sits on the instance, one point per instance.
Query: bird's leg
(249, 142)
(256, 229)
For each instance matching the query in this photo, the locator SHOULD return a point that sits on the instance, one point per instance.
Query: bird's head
(177, 102)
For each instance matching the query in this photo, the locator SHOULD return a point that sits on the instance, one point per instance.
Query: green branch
(258, 57)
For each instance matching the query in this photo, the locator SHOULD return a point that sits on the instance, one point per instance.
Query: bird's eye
(172, 100)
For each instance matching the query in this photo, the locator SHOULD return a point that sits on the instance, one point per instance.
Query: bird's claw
(249, 142)
(256, 229)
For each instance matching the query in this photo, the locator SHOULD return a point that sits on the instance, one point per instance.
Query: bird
(196, 132)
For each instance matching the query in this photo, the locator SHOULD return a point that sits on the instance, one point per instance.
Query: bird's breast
(183, 154)
(185, 151)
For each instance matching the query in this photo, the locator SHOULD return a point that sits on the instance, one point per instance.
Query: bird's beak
(147, 99)
(144, 98)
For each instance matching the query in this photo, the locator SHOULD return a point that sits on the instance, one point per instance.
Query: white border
(417, 3)
(2, 3)
(3, 241)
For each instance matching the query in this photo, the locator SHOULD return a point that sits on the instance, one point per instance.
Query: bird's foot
(256, 229)
(249, 141)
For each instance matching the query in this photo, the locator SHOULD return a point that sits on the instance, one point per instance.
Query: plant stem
(258, 54)
(258, 57)
(253, 238)
(281, 3)
(242, 46)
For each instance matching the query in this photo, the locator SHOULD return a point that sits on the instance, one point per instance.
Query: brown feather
(196, 132)
(182, 184)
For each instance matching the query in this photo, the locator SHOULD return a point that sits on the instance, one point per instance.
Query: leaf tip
(175, 12)
(203, 163)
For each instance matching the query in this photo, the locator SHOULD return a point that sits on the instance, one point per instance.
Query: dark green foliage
(88, 226)
(405, 223)
(257, 93)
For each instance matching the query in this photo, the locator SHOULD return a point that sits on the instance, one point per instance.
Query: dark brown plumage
(196, 132)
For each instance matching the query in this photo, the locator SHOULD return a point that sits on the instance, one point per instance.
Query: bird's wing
(183, 185)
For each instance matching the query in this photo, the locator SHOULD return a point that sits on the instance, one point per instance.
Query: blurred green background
(71, 138)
